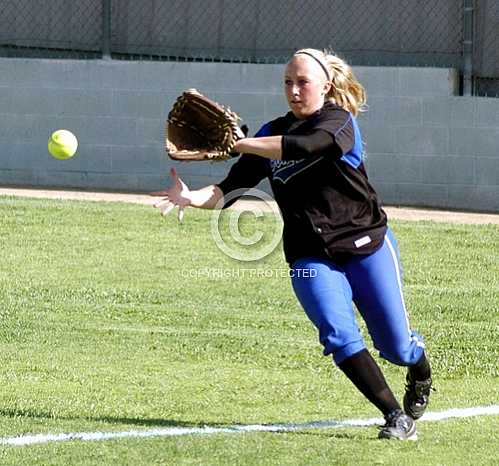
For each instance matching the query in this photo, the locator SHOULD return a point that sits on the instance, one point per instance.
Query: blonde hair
(346, 91)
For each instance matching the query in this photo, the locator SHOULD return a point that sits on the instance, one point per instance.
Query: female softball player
(333, 225)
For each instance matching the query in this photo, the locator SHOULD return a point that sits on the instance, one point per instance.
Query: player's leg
(326, 296)
(418, 387)
(366, 375)
(377, 290)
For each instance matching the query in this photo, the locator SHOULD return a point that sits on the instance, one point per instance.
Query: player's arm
(206, 198)
(289, 147)
(179, 195)
(266, 146)
(246, 173)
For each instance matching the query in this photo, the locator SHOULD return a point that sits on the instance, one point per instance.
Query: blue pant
(373, 282)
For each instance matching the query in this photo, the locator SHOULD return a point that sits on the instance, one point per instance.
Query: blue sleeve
(346, 133)
(265, 130)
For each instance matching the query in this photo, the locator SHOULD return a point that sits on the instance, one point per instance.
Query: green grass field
(107, 324)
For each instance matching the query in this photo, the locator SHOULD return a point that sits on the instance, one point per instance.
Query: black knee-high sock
(366, 375)
(421, 370)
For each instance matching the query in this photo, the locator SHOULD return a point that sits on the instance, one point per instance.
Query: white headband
(323, 66)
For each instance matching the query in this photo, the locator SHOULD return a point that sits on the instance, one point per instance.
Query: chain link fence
(486, 48)
(53, 28)
(378, 32)
(365, 32)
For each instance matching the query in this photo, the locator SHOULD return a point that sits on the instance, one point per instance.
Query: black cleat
(416, 396)
(399, 426)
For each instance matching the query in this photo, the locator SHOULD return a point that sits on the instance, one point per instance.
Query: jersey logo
(284, 170)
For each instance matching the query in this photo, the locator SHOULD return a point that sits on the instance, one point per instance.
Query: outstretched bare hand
(177, 195)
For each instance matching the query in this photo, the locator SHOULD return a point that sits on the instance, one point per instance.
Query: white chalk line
(23, 440)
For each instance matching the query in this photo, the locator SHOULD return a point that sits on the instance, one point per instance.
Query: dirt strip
(402, 213)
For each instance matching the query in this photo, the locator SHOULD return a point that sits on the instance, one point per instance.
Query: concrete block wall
(433, 150)
(425, 145)
(117, 110)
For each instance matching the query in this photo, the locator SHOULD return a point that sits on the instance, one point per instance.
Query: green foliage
(113, 318)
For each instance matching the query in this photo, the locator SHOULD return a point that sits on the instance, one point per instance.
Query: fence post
(468, 47)
(106, 29)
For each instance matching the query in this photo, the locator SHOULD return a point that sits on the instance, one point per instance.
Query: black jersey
(328, 206)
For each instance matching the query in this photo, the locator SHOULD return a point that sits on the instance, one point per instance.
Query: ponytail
(346, 91)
